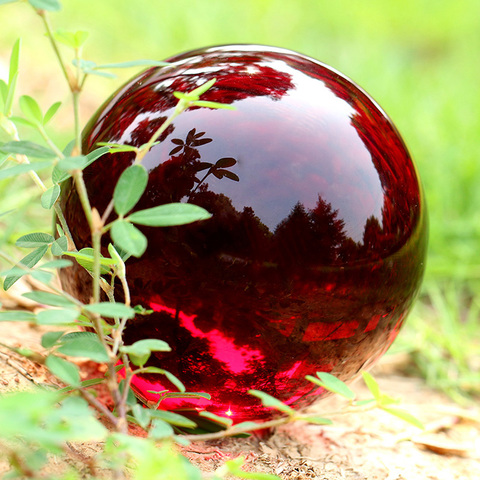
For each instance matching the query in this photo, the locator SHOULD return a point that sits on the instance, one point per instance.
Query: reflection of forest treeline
(307, 237)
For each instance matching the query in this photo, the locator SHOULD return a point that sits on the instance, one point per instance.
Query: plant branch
(43, 15)
(180, 107)
(99, 406)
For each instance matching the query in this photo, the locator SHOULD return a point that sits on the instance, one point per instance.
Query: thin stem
(73, 83)
(83, 195)
(107, 211)
(181, 107)
(49, 141)
(78, 128)
(96, 244)
(76, 105)
(22, 159)
(66, 229)
(46, 22)
(99, 406)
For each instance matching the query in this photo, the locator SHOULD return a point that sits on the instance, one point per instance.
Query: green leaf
(131, 398)
(71, 39)
(215, 105)
(3, 91)
(25, 147)
(85, 258)
(111, 309)
(51, 112)
(24, 168)
(84, 384)
(272, 402)
(129, 238)
(233, 467)
(63, 369)
(60, 246)
(10, 95)
(169, 215)
(28, 261)
(216, 418)
(83, 344)
(203, 88)
(50, 339)
(170, 376)
(49, 5)
(372, 385)
(406, 416)
(42, 277)
(31, 109)
(134, 63)
(315, 419)
(56, 264)
(47, 298)
(333, 384)
(73, 163)
(362, 403)
(248, 426)
(34, 240)
(183, 394)
(12, 76)
(50, 196)
(139, 352)
(160, 430)
(17, 316)
(141, 415)
(58, 176)
(130, 188)
(90, 68)
(23, 121)
(120, 268)
(146, 345)
(118, 147)
(57, 317)
(173, 418)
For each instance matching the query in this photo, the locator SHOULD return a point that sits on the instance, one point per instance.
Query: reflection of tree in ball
(316, 246)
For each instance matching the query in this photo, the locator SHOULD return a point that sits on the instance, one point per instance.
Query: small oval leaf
(88, 346)
(31, 109)
(50, 196)
(111, 309)
(34, 240)
(64, 370)
(59, 246)
(171, 214)
(129, 188)
(57, 317)
(129, 238)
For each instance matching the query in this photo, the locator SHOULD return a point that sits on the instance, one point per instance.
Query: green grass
(417, 58)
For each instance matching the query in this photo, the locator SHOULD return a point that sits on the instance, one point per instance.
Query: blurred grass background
(418, 58)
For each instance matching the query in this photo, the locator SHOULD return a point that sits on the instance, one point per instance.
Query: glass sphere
(316, 247)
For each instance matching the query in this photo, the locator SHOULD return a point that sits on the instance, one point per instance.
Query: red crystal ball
(316, 247)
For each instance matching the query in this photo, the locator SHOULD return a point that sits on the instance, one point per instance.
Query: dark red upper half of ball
(305, 151)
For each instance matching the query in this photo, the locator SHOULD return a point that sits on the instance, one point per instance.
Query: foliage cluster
(48, 421)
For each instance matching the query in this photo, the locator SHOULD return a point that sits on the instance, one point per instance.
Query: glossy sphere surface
(316, 247)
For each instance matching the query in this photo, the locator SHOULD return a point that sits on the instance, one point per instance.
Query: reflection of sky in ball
(325, 157)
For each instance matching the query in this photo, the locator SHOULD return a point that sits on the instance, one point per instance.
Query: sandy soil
(367, 446)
